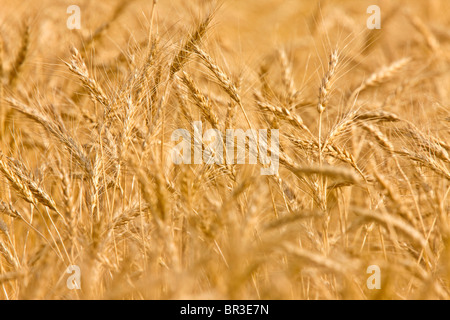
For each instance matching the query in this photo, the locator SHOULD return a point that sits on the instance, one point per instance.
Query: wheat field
(88, 183)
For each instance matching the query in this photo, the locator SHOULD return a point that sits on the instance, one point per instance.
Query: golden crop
(87, 178)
